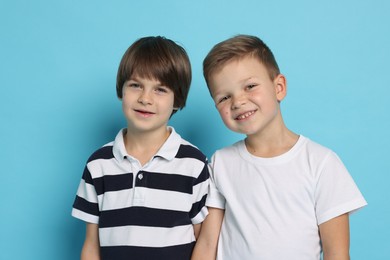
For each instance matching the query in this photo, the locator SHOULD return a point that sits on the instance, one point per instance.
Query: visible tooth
(243, 116)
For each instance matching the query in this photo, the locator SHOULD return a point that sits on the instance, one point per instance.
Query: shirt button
(140, 176)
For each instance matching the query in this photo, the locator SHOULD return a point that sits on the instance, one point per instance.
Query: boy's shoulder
(188, 150)
(313, 147)
(110, 150)
(104, 152)
(229, 150)
(312, 153)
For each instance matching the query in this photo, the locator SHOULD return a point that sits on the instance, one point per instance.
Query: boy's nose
(238, 102)
(145, 98)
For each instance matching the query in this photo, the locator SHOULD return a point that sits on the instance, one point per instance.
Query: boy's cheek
(225, 118)
(223, 111)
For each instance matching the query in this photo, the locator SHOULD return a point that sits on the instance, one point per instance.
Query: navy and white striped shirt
(144, 212)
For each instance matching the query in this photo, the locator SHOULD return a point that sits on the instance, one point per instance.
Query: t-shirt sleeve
(336, 192)
(215, 199)
(200, 188)
(85, 206)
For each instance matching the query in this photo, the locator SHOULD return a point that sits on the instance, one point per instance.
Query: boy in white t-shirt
(276, 194)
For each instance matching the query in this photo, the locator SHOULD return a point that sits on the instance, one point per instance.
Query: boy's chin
(238, 131)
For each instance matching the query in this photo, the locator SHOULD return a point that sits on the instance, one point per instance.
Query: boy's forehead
(236, 72)
(235, 60)
(215, 72)
(139, 77)
(154, 80)
(227, 65)
(244, 68)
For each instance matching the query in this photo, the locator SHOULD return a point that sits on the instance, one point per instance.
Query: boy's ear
(280, 87)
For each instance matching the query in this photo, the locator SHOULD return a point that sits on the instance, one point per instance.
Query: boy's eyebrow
(135, 78)
(242, 81)
(247, 79)
(132, 79)
(139, 79)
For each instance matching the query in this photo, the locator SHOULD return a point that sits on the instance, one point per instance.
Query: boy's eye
(223, 99)
(162, 90)
(134, 85)
(250, 86)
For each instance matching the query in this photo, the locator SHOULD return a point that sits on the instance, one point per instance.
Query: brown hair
(157, 58)
(236, 48)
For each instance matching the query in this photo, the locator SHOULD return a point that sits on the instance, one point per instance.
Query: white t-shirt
(273, 206)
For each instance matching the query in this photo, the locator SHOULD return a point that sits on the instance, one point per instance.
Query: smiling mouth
(143, 112)
(245, 115)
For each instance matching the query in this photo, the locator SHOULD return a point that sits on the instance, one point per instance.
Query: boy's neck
(273, 145)
(143, 146)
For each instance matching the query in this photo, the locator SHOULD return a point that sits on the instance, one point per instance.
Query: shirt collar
(167, 151)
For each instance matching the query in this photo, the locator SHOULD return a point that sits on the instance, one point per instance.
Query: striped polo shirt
(144, 212)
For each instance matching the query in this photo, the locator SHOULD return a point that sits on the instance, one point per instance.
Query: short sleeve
(336, 192)
(200, 188)
(85, 206)
(214, 199)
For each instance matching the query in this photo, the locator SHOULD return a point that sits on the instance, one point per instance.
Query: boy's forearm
(90, 255)
(203, 253)
(91, 247)
(336, 257)
(204, 249)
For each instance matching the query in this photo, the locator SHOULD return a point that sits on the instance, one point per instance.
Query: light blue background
(58, 62)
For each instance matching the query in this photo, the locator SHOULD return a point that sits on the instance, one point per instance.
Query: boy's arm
(91, 248)
(197, 228)
(335, 238)
(206, 245)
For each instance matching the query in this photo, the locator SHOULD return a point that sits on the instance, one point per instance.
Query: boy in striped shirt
(143, 195)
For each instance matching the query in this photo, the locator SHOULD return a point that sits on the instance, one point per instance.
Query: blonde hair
(236, 48)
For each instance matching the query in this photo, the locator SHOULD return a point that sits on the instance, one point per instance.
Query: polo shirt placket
(138, 176)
